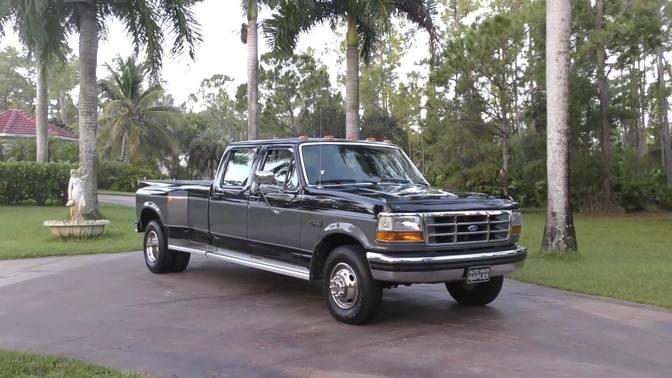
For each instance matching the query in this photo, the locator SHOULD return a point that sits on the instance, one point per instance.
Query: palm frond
(296, 17)
(183, 25)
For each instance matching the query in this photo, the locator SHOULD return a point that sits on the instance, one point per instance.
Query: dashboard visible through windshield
(342, 164)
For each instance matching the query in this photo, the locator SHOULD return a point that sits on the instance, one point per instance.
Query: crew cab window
(238, 168)
(281, 163)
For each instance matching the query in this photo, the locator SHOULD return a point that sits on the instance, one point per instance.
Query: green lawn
(20, 364)
(626, 257)
(22, 234)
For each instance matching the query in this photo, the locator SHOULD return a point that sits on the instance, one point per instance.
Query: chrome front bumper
(443, 268)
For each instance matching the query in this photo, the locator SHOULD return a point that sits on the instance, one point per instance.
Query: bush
(117, 176)
(40, 182)
(63, 151)
(665, 199)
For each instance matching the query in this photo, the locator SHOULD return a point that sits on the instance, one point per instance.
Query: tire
(180, 261)
(356, 296)
(479, 294)
(157, 257)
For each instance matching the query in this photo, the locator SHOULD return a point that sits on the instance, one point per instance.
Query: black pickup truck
(357, 215)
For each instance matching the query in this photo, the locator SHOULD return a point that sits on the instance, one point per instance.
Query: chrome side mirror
(264, 178)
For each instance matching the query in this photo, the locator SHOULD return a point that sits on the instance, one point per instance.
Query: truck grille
(456, 228)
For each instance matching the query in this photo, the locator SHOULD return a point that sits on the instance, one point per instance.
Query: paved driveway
(117, 200)
(218, 319)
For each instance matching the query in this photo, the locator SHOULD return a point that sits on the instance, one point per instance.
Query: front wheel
(477, 294)
(353, 296)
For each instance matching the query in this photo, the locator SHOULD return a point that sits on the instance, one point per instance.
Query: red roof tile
(18, 123)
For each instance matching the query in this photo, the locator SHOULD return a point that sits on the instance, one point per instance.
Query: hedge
(40, 182)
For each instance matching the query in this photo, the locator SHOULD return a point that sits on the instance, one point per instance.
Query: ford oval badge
(472, 228)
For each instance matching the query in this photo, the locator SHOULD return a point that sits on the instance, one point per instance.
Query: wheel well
(324, 247)
(147, 215)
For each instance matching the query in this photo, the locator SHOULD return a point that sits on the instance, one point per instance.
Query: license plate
(478, 274)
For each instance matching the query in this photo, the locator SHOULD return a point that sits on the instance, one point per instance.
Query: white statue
(76, 201)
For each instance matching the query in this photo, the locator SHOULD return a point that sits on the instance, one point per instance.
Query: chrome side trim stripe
(180, 248)
(251, 261)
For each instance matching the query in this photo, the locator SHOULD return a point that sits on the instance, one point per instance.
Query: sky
(221, 51)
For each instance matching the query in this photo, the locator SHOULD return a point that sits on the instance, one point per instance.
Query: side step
(245, 259)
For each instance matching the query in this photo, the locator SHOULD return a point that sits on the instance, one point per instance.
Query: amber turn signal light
(516, 230)
(400, 236)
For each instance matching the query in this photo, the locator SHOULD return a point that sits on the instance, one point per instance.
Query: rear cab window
(281, 162)
(238, 167)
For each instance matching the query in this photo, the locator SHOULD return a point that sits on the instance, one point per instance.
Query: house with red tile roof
(19, 124)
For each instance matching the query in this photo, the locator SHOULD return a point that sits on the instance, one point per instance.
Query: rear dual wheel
(158, 258)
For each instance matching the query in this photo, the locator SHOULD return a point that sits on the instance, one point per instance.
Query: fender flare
(153, 207)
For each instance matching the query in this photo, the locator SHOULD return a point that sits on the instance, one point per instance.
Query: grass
(116, 193)
(21, 364)
(625, 257)
(22, 234)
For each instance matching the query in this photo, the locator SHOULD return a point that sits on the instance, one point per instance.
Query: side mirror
(264, 178)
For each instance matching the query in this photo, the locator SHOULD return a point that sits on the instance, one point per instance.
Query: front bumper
(443, 268)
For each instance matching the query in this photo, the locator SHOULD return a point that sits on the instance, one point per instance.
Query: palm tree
(39, 25)
(248, 35)
(559, 233)
(146, 22)
(364, 19)
(135, 123)
(204, 155)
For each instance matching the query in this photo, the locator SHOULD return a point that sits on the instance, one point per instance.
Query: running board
(248, 260)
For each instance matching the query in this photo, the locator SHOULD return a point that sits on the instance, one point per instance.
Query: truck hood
(420, 198)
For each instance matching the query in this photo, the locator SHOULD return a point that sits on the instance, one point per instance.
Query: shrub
(665, 199)
(63, 151)
(114, 175)
(39, 182)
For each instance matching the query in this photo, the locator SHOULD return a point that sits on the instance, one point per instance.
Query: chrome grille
(467, 227)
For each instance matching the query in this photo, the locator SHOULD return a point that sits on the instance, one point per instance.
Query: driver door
(275, 231)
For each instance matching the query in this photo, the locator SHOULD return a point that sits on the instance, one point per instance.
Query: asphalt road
(218, 319)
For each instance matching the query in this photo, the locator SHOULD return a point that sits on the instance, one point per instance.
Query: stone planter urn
(76, 227)
(84, 229)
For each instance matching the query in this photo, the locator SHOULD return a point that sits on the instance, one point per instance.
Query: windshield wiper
(346, 181)
(395, 180)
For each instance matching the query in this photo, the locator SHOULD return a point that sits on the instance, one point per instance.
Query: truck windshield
(334, 164)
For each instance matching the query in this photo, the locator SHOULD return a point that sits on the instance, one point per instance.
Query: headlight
(516, 223)
(399, 228)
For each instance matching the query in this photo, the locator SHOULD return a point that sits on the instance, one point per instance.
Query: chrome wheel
(152, 246)
(343, 286)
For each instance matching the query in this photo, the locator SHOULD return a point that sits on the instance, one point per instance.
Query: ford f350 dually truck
(357, 215)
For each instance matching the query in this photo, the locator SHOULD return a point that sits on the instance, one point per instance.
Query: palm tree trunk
(352, 81)
(643, 147)
(88, 105)
(603, 89)
(252, 72)
(124, 142)
(559, 233)
(64, 118)
(41, 114)
(664, 120)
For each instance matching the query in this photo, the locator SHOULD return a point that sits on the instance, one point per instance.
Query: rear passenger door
(275, 231)
(229, 197)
